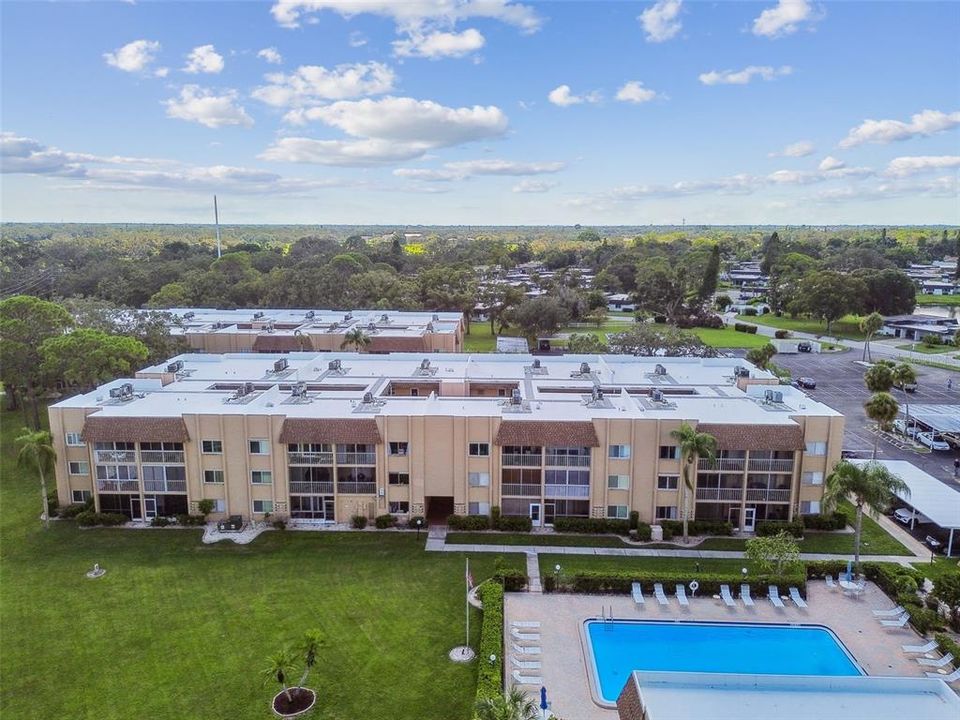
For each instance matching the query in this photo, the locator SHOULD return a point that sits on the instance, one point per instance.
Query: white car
(904, 516)
(900, 426)
(934, 442)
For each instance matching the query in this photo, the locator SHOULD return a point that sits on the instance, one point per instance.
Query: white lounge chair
(525, 649)
(895, 612)
(920, 649)
(638, 594)
(526, 679)
(524, 636)
(682, 596)
(745, 595)
(830, 583)
(525, 624)
(797, 600)
(773, 593)
(952, 677)
(526, 664)
(899, 623)
(939, 663)
(726, 596)
(659, 594)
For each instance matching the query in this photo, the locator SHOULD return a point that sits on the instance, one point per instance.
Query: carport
(943, 419)
(928, 496)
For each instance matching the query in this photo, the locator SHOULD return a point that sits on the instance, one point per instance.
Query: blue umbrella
(849, 571)
(543, 700)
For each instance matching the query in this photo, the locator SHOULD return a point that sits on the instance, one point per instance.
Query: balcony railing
(306, 487)
(310, 458)
(567, 491)
(118, 486)
(522, 460)
(170, 486)
(357, 488)
(719, 494)
(516, 490)
(356, 458)
(167, 457)
(116, 456)
(764, 495)
(721, 464)
(776, 465)
(567, 460)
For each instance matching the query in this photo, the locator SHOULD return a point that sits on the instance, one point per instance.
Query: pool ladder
(603, 614)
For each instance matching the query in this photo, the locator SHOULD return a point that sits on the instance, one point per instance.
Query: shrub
(752, 329)
(191, 520)
(160, 522)
(358, 522)
(642, 532)
(932, 340)
(740, 327)
(515, 523)
(634, 519)
(781, 334)
(490, 675)
(596, 526)
(89, 518)
(469, 522)
(749, 311)
(511, 579)
(412, 522)
(766, 528)
(925, 621)
(205, 506)
(495, 517)
(53, 504)
(838, 520)
(382, 522)
(279, 524)
(622, 581)
(696, 527)
(71, 511)
(948, 645)
(660, 319)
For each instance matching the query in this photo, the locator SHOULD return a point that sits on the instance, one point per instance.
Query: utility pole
(216, 220)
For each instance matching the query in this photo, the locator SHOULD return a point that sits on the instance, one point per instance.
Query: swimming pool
(617, 648)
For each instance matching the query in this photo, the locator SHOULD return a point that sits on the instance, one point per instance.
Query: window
(80, 496)
(620, 512)
(414, 392)
(79, 468)
(213, 476)
(117, 472)
(667, 482)
(501, 392)
(816, 448)
(618, 482)
(263, 506)
(669, 452)
(399, 507)
(478, 508)
(212, 447)
(259, 447)
(620, 451)
(809, 507)
(479, 479)
(399, 478)
(73, 440)
(813, 478)
(666, 512)
(261, 477)
(219, 505)
(398, 448)
(479, 449)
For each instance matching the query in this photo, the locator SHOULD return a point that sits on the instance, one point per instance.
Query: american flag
(469, 580)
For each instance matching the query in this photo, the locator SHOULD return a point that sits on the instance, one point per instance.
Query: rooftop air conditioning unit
(175, 366)
(280, 365)
(188, 315)
(310, 315)
(384, 318)
(258, 315)
(299, 390)
(425, 364)
(246, 389)
(334, 365)
(659, 369)
(116, 392)
(740, 371)
(127, 389)
(429, 327)
(368, 398)
(371, 325)
(435, 317)
(584, 368)
(776, 396)
(656, 395)
(348, 317)
(515, 398)
(536, 363)
(596, 394)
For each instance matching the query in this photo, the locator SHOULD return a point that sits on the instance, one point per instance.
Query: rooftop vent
(659, 369)
(188, 315)
(656, 395)
(280, 365)
(515, 397)
(258, 315)
(772, 396)
(334, 365)
(536, 363)
(368, 397)
(310, 315)
(299, 390)
(175, 367)
(384, 318)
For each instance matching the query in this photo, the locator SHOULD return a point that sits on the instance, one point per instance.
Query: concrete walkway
(533, 573)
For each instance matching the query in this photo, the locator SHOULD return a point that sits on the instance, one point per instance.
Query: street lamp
(556, 576)
(493, 659)
(419, 523)
(744, 571)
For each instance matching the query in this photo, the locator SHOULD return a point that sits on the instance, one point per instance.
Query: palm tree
(882, 408)
(869, 327)
(37, 453)
(692, 444)
(279, 669)
(903, 375)
(355, 338)
(879, 378)
(513, 705)
(872, 486)
(313, 640)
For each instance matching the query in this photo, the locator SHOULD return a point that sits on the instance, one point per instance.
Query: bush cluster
(514, 523)
(766, 528)
(279, 524)
(749, 311)
(191, 520)
(468, 522)
(71, 511)
(382, 522)
(781, 334)
(948, 645)
(595, 526)
(412, 522)
(696, 527)
(490, 675)
(622, 581)
(89, 518)
(838, 520)
(161, 522)
(358, 522)
(749, 329)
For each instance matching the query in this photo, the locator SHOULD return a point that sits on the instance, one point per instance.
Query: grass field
(538, 539)
(846, 327)
(178, 629)
(730, 338)
(938, 299)
(927, 349)
(576, 563)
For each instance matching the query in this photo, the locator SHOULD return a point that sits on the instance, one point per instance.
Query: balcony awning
(134, 429)
(330, 430)
(547, 433)
(754, 437)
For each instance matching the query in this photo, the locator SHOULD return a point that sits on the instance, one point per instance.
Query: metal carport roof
(942, 418)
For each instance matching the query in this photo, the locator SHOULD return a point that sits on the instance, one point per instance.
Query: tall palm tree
(313, 641)
(692, 444)
(37, 453)
(512, 705)
(279, 669)
(903, 375)
(869, 326)
(872, 487)
(356, 338)
(879, 378)
(882, 408)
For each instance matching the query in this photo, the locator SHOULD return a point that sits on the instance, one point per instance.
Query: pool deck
(876, 648)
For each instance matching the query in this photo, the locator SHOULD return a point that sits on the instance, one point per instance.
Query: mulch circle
(300, 699)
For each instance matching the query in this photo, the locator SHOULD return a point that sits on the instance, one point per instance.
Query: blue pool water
(621, 647)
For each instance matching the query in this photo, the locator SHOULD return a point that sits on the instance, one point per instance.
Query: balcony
(510, 459)
(116, 456)
(165, 486)
(764, 495)
(567, 491)
(568, 460)
(113, 486)
(311, 458)
(356, 458)
(164, 457)
(720, 494)
(515, 490)
(778, 465)
(314, 488)
(721, 464)
(355, 488)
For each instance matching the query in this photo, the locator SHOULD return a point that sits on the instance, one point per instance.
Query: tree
(664, 286)
(313, 641)
(644, 339)
(708, 285)
(692, 445)
(903, 375)
(356, 338)
(585, 344)
(762, 356)
(879, 378)
(499, 298)
(882, 408)
(773, 554)
(37, 453)
(888, 292)
(279, 669)
(86, 358)
(539, 316)
(770, 254)
(597, 317)
(872, 487)
(869, 327)
(588, 236)
(723, 302)
(515, 704)
(829, 295)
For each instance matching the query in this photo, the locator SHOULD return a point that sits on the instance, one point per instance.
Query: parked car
(901, 427)
(932, 441)
(910, 387)
(804, 347)
(903, 515)
(807, 383)
(848, 454)
(932, 542)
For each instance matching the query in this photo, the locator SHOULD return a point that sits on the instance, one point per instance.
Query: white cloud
(784, 18)
(634, 92)
(133, 57)
(941, 187)
(463, 169)
(196, 104)
(922, 163)
(204, 59)
(343, 153)
(436, 45)
(533, 186)
(742, 77)
(830, 163)
(563, 97)
(357, 39)
(660, 21)
(161, 72)
(928, 122)
(313, 84)
(271, 55)
(797, 149)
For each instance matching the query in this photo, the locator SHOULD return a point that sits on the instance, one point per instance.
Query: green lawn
(847, 327)
(539, 539)
(938, 299)
(927, 349)
(577, 563)
(177, 629)
(730, 338)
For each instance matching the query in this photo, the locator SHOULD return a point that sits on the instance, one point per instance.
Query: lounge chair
(952, 677)
(525, 624)
(830, 583)
(797, 600)
(939, 663)
(638, 594)
(526, 664)
(895, 612)
(525, 649)
(682, 596)
(659, 594)
(773, 593)
(524, 636)
(920, 649)
(526, 679)
(745, 595)
(726, 596)
(899, 623)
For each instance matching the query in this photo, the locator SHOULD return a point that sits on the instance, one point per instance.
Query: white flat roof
(933, 498)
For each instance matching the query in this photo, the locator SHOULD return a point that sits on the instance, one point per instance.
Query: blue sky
(481, 112)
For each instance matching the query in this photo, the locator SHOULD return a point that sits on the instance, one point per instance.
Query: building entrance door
(535, 514)
(149, 508)
(749, 519)
(549, 513)
(135, 510)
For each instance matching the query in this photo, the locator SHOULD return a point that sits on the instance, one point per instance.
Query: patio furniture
(852, 587)
(895, 612)
(526, 664)
(773, 593)
(525, 624)
(797, 600)
(939, 663)
(745, 595)
(899, 623)
(638, 594)
(952, 677)
(525, 649)
(726, 596)
(830, 583)
(921, 649)
(234, 523)
(524, 636)
(682, 596)
(526, 679)
(659, 594)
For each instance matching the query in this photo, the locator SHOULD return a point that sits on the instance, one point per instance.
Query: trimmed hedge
(71, 511)
(622, 582)
(781, 334)
(594, 526)
(511, 579)
(160, 522)
(358, 522)
(468, 522)
(412, 522)
(191, 520)
(514, 523)
(750, 311)
(766, 528)
(490, 675)
(948, 645)
(89, 518)
(696, 527)
(383, 522)
(838, 520)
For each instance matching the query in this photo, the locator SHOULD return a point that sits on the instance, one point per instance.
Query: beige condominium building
(273, 331)
(323, 437)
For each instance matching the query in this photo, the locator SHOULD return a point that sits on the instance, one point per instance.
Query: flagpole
(467, 601)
